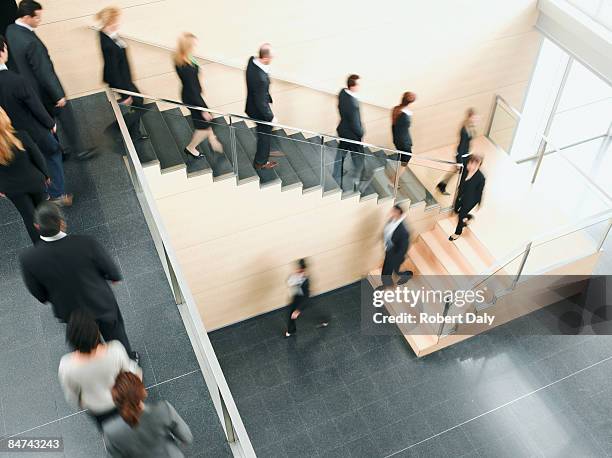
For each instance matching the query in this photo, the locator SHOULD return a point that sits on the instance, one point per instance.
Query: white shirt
(407, 111)
(389, 230)
(264, 67)
(117, 39)
(295, 282)
(60, 235)
(3, 67)
(23, 24)
(351, 93)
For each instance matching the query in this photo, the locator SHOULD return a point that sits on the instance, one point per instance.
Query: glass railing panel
(503, 126)
(428, 182)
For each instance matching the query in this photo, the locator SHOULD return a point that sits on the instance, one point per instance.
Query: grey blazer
(157, 434)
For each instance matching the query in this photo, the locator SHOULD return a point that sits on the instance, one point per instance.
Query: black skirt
(404, 158)
(199, 122)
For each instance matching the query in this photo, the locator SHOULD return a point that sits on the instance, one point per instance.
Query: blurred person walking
(73, 272)
(23, 173)
(397, 241)
(88, 374)
(30, 58)
(299, 283)
(188, 71)
(143, 430)
(350, 127)
(117, 73)
(469, 194)
(259, 104)
(466, 134)
(8, 14)
(401, 119)
(27, 114)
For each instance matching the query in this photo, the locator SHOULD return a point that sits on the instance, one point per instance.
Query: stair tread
(244, 140)
(245, 165)
(469, 244)
(145, 151)
(329, 184)
(166, 149)
(296, 158)
(448, 255)
(180, 129)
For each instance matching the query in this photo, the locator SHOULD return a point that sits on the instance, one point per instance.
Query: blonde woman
(188, 71)
(23, 173)
(117, 73)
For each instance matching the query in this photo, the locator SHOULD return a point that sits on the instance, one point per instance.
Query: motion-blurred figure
(28, 115)
(401, 118)
(117, 73)
(143, 430)
(8, 14)
(466, 134)
(23, 173)
(299, 283)
(397, 240)
(30, 58)
(73, 272)
(88, 374)
(259, 104)
(469, 195)
(350, 127)
(188, 71)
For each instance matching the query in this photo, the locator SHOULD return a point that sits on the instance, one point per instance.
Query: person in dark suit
(259, 104)
(401, 118)
(72, 272)
(469, 195)
(117, 73)
(188, 71)
(29, 57)
(8, 14)
(350, 128)
(466, 134)
(27, 114)
(299, 283)
(397, 240)
(23, 173)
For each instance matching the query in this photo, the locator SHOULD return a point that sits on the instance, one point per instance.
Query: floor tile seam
(150, 361)
(500, 407)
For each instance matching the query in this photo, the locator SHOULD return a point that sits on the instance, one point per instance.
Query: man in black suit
(28, 114)
(350, 128)
(8, 14)
(397, 241)
(72, 272)
(259, 104)
(30, 58)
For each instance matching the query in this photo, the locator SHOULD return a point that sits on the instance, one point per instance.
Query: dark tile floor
(515, 391)
(32, 342)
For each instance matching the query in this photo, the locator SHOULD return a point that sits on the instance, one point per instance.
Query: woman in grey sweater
(143, 430)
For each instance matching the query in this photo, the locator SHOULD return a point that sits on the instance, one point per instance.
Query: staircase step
(166, 149)
(297, 159)
(469, 246)
(447, 253)
(381, 184)
(246, 171)
(427, 265)
(329, 184)
(146, 152)
(182, 132)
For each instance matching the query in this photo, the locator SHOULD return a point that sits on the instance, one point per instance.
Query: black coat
(116, 73)
(470, 192)
(8, 14)
(401, 133)
(72, 273)
(463, 147)
(27, 172)
(23, 106)
(350, 118)
(258, 93)
(29, 57)
(400, 243)
(191, 91)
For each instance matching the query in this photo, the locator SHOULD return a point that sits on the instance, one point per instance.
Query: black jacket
(463, 147)
(116, 73)
(8, 14)
(400, 242)
(350, 118)
(258, 93)
(29, 57)
(191, 91)
(72, 273)
(470, 191)
(401, 132)
(23, 106)
(27, 172)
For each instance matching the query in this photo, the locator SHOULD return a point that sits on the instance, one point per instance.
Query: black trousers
(263, 143)
(26, 203)
(391, 265)
(115, 330)
(64, 116)
(297, 303)
(358, 158)
(462, 212)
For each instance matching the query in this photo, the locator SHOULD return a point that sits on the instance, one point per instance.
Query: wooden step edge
(460, 259)
(469, 241)
(442, 254)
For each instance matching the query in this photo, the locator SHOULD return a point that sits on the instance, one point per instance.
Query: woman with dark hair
(23, 173)
(88, 373)
(143, 430)
(401, 118)
(469, 195)
(466, 134)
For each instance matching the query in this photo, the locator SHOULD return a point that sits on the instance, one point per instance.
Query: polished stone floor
(32, 341)
(516, 391)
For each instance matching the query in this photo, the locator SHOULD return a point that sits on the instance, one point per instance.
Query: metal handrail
(282, 126)
(209, 355)
(571, 228)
